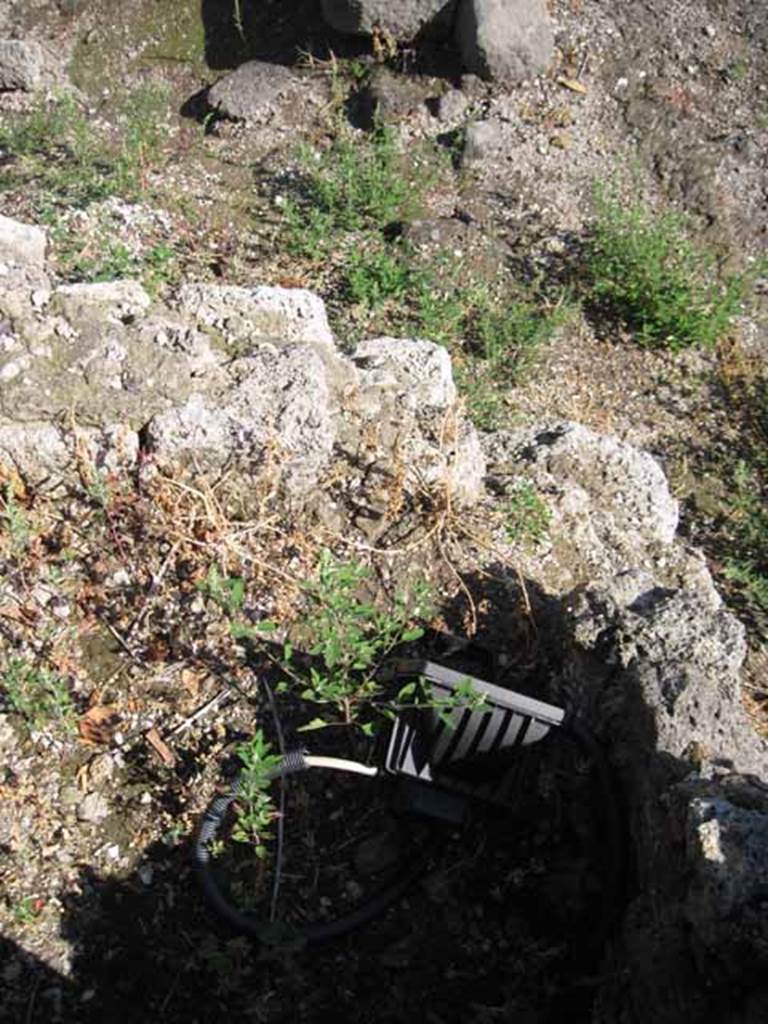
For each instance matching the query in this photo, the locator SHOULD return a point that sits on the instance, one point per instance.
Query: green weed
(643, 270)
(69, 159)
(372, 276)
(351, 638)
(254, 808)
(226, 591)
(39, 695)
(746, 564)
(526, 516)
(14, 521)
(356, 185)
(27, 910)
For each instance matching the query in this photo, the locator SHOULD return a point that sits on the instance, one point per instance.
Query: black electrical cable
(611, 842)
(248, 924)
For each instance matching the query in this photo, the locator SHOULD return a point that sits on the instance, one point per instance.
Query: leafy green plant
(41, 696)
(374, 275)
(14, 521)
(255, 811)
(351, 638)
(357, 184)
(526, 516)
(747, 561)
(73, 160)
(26, 910)
(226, 591)
(643, 270)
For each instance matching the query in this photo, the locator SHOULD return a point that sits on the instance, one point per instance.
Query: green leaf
(265, 626)
(316, 723)
(412, 634)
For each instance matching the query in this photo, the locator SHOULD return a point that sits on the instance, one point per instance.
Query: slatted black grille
(470, 749)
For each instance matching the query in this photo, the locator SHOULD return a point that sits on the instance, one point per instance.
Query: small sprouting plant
(41, 696)
(14, 522)
(226, 591)
(643, 270)
(254, 809)
(351, 637)
(375, 275)
(526, 515)
(420, 694)
(26, 910)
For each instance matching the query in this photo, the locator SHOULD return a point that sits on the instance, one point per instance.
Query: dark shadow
(277, 31)
(506, 921)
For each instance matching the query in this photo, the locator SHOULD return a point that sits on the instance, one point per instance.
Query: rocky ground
(586, 570)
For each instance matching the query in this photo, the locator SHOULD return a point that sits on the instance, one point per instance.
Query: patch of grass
(14, 522)
(344, 216)
(39, 695)
(66, 157)
(527, 515)
(643, 270)
(104, 258)
(374, 275)
(359, 184)
(746, 561)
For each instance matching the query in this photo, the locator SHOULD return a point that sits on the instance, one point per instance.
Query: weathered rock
(407, 391)
(93, 808)
(116, 301)
(22, 244)
(390, 97)
(727, 853)
(679, 654)
(610, 504)
(402, 19)
(451, 106)
(27, 65)
(482, 140)
(507, 40)
(284, 315)
(657, 672)
(255, 92)
(419, 371)
(47, 449)
(276, 400)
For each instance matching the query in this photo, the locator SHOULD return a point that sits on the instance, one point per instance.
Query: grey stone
(275, 399)
(390, 97)
(285, 314)
(610, 504)
(679, 654)
(482, 140)
(402, 19)
(506, 40)
(419, 370)
(22, 244)
(93, 808)
(656, 671)
(406, 390)
(28, 66)
(452, 106)
(116, 300)
(254, 92)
